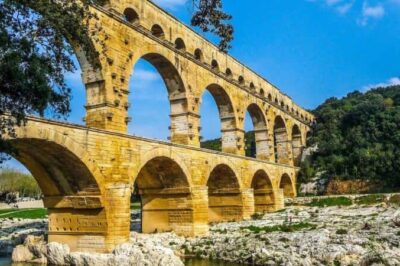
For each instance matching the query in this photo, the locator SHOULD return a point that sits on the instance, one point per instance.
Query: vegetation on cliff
(358, 138)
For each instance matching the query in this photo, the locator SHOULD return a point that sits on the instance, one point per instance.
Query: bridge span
(87, 176)
(88, 173)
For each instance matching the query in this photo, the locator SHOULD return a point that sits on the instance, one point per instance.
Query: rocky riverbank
(299, 235)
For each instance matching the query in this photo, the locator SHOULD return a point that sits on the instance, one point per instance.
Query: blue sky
(310, 49)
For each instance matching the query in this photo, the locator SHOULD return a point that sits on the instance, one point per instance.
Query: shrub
(370, 199)
(341, 232)
(329, 202)
(395, 199)
(257, 216)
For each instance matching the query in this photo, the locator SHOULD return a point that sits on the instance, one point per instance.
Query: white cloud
(391, 82)
(344, 8)
(145, 75)
(332, 2)
(371, 12)
(171, 4)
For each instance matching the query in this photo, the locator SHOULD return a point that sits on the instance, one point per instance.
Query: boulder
(56, 253)
(21, 253)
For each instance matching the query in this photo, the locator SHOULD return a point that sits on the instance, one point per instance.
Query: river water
(188, 262)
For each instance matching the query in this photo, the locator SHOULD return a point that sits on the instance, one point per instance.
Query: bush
(328, 202)
(395, 199)
(257, 216)
(341, 232)
(280, 228)
(370, 199)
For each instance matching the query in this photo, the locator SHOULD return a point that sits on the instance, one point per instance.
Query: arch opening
(227, 121)
(180, 44)
(157, 31)
(214, 65)
(198, 55)
(287, 186)
(69, 187)
(224, 195)
(282, 147)
(159, 97)
(297, 145)
(257, 139)
(228, 73)
(264, 200)
(241, 80)
(131, 15)
(161, 187)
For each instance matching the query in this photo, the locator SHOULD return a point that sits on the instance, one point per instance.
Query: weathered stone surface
(21, 253)
(94, 168)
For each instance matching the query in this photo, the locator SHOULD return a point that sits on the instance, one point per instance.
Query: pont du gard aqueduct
(87, 173)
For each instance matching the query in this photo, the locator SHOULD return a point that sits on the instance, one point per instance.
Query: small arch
(157, 31)
(176, 90)
(131, 15)
(227, 116)
(214, 65)
(297, 145)
(262, 92)
(287, 186)
(241, 80)
(224, 201)
(282, 104)
(158, 175)
(228, 73)
(269, 97)
(198, 55)
(276, 101)
(264, 199)
(180, 44)
(281, 148)
(252, 87)
(260, 131)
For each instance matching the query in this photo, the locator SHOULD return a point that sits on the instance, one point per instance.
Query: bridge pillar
(79, 221)
(182, 210)
(297, 150)
(262, 143)
(117, 202)
(283, 147)
(233, 141)
(230, 204)
(279, 198)
(185, 128)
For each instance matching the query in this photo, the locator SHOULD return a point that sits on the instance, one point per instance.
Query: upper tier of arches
(149, 17)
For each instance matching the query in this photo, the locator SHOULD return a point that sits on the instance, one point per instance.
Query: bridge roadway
(88, 175)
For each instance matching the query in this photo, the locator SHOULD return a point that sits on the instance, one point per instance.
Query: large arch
(166, 197)
(227, 117)
(179, 126)
(282, 147)
(287, 185)
(297, 145)
(72, 185)
(260, 131)
(264, 199)
(224, 195)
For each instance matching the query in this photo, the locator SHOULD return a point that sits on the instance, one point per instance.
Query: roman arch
(87, 173)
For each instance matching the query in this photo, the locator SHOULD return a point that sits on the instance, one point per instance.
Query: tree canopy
(358, 137)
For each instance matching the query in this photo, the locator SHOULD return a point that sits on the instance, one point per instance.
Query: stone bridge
(88, 173)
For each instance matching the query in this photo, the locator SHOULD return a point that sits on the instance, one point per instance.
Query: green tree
(358, 137)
